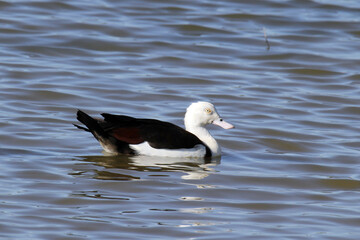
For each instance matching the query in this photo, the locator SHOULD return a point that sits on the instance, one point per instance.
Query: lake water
(285, 73)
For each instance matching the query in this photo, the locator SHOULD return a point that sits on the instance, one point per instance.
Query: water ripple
(288, 170)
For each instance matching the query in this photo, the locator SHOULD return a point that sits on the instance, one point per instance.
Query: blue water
(289, 170)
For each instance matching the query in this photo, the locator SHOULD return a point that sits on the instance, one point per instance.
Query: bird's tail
(108, 142)
(92, 125)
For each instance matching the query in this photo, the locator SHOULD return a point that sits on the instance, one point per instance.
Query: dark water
(290, 169)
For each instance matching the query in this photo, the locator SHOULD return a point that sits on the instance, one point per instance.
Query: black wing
(157, 133)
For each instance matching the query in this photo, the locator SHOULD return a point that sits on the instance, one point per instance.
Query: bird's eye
(221, 119)
(208, 110)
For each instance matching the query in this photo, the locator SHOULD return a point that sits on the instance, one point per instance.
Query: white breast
(144, 148)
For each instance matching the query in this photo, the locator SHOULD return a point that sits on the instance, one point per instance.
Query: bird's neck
(204, 135)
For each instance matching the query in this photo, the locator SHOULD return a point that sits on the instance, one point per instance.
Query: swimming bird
(119, 134)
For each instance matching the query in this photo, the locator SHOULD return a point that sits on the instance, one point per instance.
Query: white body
(145, 149)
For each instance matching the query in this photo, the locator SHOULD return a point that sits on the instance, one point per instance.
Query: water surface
(290, 169)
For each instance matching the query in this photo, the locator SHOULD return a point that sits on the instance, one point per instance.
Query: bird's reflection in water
(122, 167)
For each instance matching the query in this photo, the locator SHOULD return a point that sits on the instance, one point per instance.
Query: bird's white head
(200, 114)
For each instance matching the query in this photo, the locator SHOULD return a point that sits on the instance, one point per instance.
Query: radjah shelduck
(119, 134)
